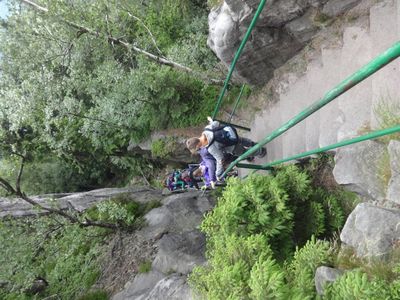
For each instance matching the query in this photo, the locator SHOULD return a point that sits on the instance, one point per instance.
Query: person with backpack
(220, 140)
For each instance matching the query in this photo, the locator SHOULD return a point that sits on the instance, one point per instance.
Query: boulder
(17, 207)
(393, 193)
(179, 213)
(359, 168)
(180, 253)
(142, 284)
(180, 247)
(303, 28)
(324, 275)
(371, 230)
(335, 8)
(173, 287)
(82, 201)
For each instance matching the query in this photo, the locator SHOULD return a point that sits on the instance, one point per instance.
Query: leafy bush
(301, 270)
(267, 280)
(252, 234)
(230, 264)
(65, 255)
(122, 211)
(145, 267)
(355, 285)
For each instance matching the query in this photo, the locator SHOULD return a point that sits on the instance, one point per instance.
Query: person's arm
(212, 124)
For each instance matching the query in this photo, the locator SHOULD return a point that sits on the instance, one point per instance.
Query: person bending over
(220, 140)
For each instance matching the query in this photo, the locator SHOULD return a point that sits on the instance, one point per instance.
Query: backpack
(225, 134)
(181, 179)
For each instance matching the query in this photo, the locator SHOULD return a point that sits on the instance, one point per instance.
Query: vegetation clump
(164, 147)
(268, 234)
(65, 255)
(258, 237)
(73, 101)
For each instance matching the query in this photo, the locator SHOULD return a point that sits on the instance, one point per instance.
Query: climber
(219, 141)
(207, 168)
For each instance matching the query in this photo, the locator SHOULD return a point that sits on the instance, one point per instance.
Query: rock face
(324, 275)
(359, 168)
(180, 247)
(371, 231)
(283, 28)
(335, 7)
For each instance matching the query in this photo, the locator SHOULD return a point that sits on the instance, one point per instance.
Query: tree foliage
(65, 255)
(83, 97)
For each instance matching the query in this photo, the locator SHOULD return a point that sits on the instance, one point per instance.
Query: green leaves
(84, 96)
(65, 255)
(301, 271)
(261, 238)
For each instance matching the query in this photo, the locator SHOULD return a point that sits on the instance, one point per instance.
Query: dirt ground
(120, 263)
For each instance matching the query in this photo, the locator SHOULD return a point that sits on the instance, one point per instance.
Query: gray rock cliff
(284, 27)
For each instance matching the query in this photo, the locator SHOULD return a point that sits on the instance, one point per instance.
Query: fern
(267, 280)
(229, 266)
(355, 285)
(253, 231)
(302, 269)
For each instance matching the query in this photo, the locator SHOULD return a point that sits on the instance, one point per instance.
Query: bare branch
(148, 30)
(73, 219)
(36, 6)
(156, 58)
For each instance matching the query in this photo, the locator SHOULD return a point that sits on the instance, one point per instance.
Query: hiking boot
(263, 152)
(250, 158)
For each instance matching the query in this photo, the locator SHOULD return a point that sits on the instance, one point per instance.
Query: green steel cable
(369, 136)
(237, 103)
(370, 68)
(237, 55)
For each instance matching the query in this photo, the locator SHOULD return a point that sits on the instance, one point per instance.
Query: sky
(3, 9)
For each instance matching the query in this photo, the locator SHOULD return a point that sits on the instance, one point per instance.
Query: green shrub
(230, 263)
(301, 270)
(258, 226)
(355, 285)
(121, 210)
(267, 280)
(66, 255)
